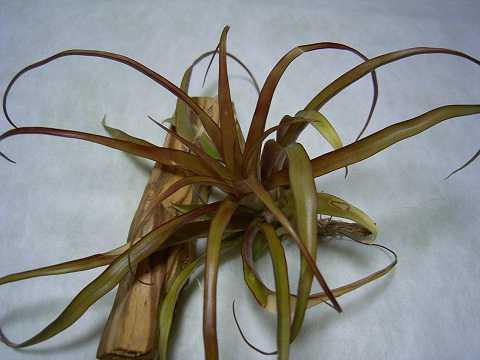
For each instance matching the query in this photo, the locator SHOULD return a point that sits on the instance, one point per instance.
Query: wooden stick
(131, 329)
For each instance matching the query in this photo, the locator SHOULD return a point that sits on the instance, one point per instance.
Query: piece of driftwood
(131, 329)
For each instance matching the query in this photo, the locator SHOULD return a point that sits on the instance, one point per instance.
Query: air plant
(266, 195)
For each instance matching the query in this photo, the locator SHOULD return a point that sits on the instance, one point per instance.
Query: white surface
(67, 199)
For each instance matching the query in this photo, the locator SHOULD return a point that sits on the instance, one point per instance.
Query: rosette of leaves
(267, 194)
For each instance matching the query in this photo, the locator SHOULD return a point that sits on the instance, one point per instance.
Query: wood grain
(131, 328)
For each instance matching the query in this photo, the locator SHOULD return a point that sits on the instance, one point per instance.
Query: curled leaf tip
(245, 339)
(472, 159)
(209, 65)
(155, 121)
(5, 112)
(380, 246)
(7, 341)
(7, 158)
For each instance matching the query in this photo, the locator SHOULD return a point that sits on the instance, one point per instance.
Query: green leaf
(227, 120)
(168, 304)
(82, 264)
(320, 298)
(208, 161)
(215, 235)
(363, 69)
(259, 119)
(266, 298)
(209, 147)
(194, 180)
(199, 228)
(108, 279)
(162, 155)
(270, 158)
(167, 308)
(212, 129)
(265, 197)
(252, 279)
(471, 160)
(184, 208)
(305, 209)
(360, 71)
(323, 126)
(372, 144)
(334, 206)
(272, 149)
(228, 130)
(121, 135)
(183, 123)
(267, 156)
(282, 290)
(176, 186)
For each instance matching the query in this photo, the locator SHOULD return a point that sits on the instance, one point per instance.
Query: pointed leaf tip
(472, 159)
(7, 158)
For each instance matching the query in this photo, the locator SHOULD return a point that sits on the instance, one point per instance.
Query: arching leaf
(87, 263)
(379, 141)
(323, 126)
(305, 209)
(217, 228)
(280, 272)
(108, 279)
(165, 156)
(331, 205)
(265, 197)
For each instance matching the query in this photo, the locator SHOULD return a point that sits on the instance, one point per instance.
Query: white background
(66, 199)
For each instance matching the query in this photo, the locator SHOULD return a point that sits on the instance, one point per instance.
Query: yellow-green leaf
(122, 135)
(266, 198)
(282, 290)
(305, 209)
(217, 229)
(323, 126)
(109, 278)
(168, 304)
(331, 205)
(372, 144)
(82, 264)
(266, 298)
(162, 155)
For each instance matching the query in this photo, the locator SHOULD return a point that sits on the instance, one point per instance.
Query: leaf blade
(215, 235)
(305, 208)
(323, 126)
(210, 126)
(279, 262)
(259, 119)
(334, 206)
(167, 308)
(109, 278)
(363, 69)
(265, 197)
(82, 264)
(162, 155)
(122, 135)
(230, 143)
(208, 161)
(182, 121)
(372, 144)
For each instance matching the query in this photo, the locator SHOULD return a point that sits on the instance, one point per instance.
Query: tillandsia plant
(266, 196)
